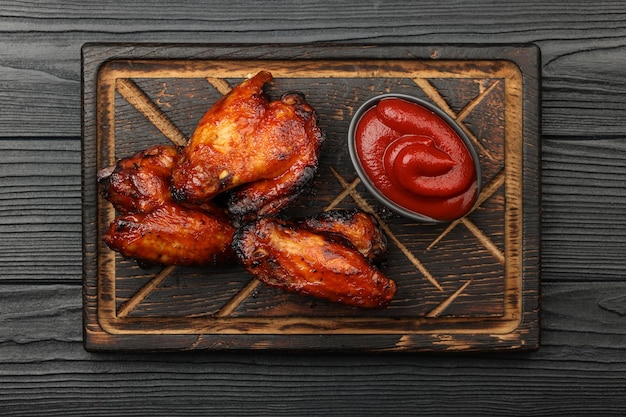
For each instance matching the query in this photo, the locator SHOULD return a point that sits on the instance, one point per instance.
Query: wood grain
(584, 207)
(571, 43)
(39, 210)
(489, 89)
(580, 368)
(44, 365)
(41, 199)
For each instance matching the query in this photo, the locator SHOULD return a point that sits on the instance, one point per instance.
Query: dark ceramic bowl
(367, 181)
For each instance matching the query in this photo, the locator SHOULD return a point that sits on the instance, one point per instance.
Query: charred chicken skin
(246, 140)
(267, 150)
(359, 228)
(293, 124)
(154, 229)
(173, 235)
(141, 182)
(263, 154)
(285, 255)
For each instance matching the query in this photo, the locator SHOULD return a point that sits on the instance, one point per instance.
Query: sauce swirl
(416, 159)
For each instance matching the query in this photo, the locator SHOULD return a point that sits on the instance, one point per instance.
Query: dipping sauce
(416, 159)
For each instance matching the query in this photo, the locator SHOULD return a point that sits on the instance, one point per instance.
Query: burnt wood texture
(469, 285)
(577, 371)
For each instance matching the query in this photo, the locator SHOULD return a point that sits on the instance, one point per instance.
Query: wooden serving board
(471, 285)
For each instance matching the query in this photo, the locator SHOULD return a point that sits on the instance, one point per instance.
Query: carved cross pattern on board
(468, 285)
(150, 108)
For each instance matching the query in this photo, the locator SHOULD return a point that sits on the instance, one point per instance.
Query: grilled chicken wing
(243, 139)
(359, 228)
(267, 197)
(282, 254)
(141, 182)
(173, 235)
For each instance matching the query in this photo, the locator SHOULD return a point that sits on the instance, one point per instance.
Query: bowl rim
(356, 161)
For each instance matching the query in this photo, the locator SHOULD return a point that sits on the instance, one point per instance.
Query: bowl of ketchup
(414, 158)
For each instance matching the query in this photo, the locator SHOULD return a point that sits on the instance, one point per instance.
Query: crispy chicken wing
(141, 182)
(173, 235)
(267, 197)
(282, 254)
(359, 228)
(139, 187)
(244, 139)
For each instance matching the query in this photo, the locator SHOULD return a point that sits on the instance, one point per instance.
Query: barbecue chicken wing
(244, 139)
(268, 197)
(173, 235)
(141, 182)
(359, 228)
(139, 187)
(282, 254)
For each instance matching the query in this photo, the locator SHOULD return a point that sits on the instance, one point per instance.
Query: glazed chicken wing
(269, 150)
(267, 197)
(359, 228)
(244, 139)
(153, 228)
(141, 182)
(282, 254)
(173, 235)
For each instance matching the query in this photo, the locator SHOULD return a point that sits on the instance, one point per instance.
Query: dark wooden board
(471, 285)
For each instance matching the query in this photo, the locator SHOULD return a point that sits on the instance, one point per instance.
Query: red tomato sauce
(416, 159)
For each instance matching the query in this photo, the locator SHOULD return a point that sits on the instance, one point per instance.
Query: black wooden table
(580, 367)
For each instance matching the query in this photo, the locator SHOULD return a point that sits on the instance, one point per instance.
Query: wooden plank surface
(40, 210)
(578, 371)
(572, 45)
(44, 366)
